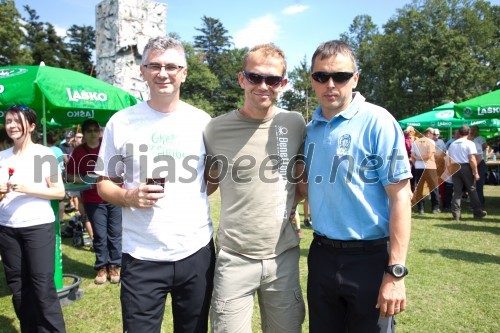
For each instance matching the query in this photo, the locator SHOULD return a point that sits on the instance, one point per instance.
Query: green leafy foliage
(11, 36)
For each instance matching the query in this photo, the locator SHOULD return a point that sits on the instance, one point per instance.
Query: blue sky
(297, 26)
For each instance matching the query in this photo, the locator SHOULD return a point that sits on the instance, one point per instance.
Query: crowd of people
(150, 173)
(448, 170)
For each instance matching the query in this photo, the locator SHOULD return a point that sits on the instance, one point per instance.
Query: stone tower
(123, 28)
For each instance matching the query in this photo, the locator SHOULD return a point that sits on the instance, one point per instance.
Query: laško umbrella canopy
(64, 96)
(443, 118)
(486, 106)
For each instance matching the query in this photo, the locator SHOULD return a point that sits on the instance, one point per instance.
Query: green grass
(453, 284)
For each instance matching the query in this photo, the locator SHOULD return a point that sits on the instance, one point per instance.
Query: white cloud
(294, 9)
(61, 32)
(260, 30)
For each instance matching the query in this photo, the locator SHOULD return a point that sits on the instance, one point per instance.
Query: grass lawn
(452, 287)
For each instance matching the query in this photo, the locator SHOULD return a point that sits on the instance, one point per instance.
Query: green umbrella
(486, 106)
(61, 95)
(443, 118)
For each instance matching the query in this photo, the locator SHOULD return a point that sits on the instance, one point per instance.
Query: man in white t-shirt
(157, 148)
(462, 152)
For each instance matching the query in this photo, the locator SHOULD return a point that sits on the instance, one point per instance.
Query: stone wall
(123, 28)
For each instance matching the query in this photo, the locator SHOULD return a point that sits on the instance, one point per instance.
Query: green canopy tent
(60, 95)
(443, 118)
(486, 106)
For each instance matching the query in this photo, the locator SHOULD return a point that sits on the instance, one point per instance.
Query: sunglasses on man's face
(270, 80)
(338, 77)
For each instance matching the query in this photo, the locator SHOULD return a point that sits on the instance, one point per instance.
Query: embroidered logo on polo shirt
(344, 143)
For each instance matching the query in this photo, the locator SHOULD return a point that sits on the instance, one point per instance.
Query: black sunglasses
(338, 77)
(270, 80)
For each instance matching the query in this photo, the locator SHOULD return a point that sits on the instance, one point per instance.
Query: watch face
(398, 270)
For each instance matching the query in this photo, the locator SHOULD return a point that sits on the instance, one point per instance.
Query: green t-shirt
(255, 158)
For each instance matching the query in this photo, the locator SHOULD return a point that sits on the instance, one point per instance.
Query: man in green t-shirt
(254, 154)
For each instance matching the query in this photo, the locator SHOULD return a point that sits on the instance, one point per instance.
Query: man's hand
(392, 296)
(144, 196)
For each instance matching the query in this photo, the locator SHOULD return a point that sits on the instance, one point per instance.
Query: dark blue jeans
(28, 259)
(106, 220)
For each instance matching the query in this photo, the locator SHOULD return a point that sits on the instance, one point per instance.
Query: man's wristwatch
(397, 270)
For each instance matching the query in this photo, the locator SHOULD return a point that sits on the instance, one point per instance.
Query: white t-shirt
(424, 146)
(141, 143)
(461, 149)
(31, 168)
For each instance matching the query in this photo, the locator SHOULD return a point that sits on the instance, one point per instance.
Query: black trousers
(342, 289)
(28, 259)
(145, 285)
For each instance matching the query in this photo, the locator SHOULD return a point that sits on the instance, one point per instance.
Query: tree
(213, 41)
(200, 82)
(81, 44)
(363, 34)
(301, 97)
(229, 94)
(11, 36)
(44, 43)
(432, 52)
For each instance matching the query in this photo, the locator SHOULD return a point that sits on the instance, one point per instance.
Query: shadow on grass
(77, 268)
(474, 257)
(471, 227)
(6, 325)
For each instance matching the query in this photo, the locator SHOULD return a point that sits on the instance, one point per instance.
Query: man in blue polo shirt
(360, 199)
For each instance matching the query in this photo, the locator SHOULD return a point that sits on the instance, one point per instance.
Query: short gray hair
(162, 44)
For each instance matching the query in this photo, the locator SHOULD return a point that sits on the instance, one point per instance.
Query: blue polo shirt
(349, 161)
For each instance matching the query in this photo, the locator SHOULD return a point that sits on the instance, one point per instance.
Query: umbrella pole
(44, 122)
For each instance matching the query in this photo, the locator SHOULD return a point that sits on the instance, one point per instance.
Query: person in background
(78, 140)
(167, 230)
(51, 142)
(307, 216)
(66, 145)
(250, 154)
(489, 154)
(465, 174)
(105, 218)
(27, 232)
(480, 143)
(409, 134)
(357, 259)
(450, 141)
(439, 156)
(423, 153)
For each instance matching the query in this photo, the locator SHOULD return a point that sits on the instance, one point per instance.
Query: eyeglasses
(169, 68)
(270, 80)
(338, 77)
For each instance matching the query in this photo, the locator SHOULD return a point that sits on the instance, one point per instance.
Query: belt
(339, 244)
